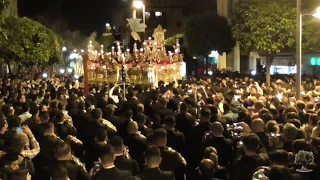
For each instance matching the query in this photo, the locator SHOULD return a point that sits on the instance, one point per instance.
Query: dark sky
(84, 15)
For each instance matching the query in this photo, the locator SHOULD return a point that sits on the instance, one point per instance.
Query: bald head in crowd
(257, 125)
(216, 129)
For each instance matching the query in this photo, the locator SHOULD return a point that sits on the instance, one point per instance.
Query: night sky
(86, 16)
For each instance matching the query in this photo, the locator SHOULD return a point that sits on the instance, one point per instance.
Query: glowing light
(253, 73)
(62, 71)
(76, 76)
(64, 48)
(74, 50)
(69, 70)
(141, 49)
(104, 66)
(210, 73)
(107, 25)
(44, 75)
(138, 4)
(82, 50)
(183, 70)
(158, 13)
(317, 13)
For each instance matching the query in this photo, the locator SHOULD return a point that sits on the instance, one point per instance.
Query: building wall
(172, 16)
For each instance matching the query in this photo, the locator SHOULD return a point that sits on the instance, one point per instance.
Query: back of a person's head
(208, 151)
(58, 173)
(159, 135)
(63, 150)
(47, 127)
(96, 113)
(266, 117)
(106, 154)
(34, 110)
(257, 125)
(279, 157)
(44, 116)
(292, 115)
(300, 144)
(279, 173)
(132, 127)
(205, 113)
(25, 107)
(300, 105)
(170, 121)
(140, 118)
(251, 142)
(59, 116)
(101, 135)
(207, 168)
(153, 154)
(117, 143)
(183, 107)
(216, 128)
(19, 143)
(295, 122)
(290, 131)
(13, 121)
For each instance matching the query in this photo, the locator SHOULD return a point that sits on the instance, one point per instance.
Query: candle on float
(112, 50)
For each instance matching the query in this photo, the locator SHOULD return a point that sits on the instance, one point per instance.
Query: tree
(29, 42)
(3, 6)
(206, 32)
(266, 26)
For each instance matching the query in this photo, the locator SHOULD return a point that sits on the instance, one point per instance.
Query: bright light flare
(138, 4)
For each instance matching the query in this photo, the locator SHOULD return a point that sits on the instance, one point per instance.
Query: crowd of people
(227, 127)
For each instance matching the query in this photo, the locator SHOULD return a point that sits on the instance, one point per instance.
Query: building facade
(167, 13)
(229, 61)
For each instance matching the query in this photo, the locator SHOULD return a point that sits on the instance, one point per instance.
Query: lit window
(158, 14)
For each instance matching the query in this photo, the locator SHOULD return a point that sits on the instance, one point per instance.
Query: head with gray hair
(290, 132)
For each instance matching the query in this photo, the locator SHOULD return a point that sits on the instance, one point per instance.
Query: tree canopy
(29, 42)
(269, 26)
(206, 32)
(264, 25)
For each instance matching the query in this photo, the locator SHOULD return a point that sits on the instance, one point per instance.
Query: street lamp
(138, 4)
(316, 14)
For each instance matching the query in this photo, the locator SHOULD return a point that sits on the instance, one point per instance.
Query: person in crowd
(108, 170)
(171, 159)
(232, 123)
(223, 145)
(26, 112)
(101, 140)
(153, 161)
(64, 159)
(141, 120)
(175, 139)
(136, 142)
(122, 160)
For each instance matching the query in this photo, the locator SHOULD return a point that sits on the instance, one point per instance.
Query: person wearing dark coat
(108, 170)
(153, 160)
(123, 161)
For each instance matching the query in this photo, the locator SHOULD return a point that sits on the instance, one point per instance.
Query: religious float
(145, 65)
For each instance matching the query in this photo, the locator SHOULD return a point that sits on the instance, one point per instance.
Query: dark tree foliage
(206, 32)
